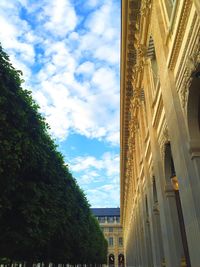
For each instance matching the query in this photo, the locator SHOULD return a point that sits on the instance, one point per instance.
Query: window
(110, 229)
(101, 219)
(154, 67)
(110, 241)
(155, 197)
(120, 241)
(110, 219)
(169, 12)
(118, 219)
(169, 7)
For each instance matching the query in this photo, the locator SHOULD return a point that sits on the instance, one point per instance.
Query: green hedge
(44, 215)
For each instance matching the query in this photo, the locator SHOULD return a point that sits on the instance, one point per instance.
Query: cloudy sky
(68, 51)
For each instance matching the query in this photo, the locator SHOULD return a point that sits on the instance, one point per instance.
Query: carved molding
(138, 11)
(141, 52)
(180, 33)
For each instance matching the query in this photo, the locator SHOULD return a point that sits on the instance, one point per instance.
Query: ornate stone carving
(166, 135)
(164, 140)
(145, 7)
(141, 52)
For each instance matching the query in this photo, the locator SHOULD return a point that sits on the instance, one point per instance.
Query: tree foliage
(44, 215)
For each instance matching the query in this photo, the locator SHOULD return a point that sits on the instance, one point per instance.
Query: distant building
(109, 220)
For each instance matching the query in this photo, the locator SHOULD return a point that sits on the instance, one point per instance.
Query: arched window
(111, 260)
(121, 260)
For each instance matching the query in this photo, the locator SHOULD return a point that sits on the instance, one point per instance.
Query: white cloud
(92, 3)
(105, 79)
(102, 37)
(75, 94)
(108, 163)
(84, 163)
(61, 17)
(99, 177)
(86, 68)
(109, 53)
(90, 177)
(104, 196)
(99, 20)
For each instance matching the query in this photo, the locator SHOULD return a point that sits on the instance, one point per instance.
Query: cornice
(135, 16)
(130, 13)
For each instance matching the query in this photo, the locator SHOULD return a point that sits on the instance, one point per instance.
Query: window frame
(120, 243)
(110, 244)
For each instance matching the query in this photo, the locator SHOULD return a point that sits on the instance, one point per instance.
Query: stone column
(142, 237)
(137, 241)
(146, 243)
(130, 248)
(140, 233)
(146, 225)
(158, 253)
(149, 244)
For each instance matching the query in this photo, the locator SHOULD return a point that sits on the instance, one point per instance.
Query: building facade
(109, 220)
(160, 132)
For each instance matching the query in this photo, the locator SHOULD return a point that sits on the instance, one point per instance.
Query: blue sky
(69, 54)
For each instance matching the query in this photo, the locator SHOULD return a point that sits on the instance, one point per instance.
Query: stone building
(160, 132)
(109, 220)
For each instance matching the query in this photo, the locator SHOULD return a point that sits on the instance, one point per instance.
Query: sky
(69, 52)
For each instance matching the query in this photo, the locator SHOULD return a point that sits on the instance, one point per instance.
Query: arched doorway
(121, 260)
(111, 260)
(170, 173)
